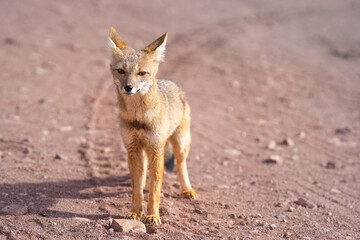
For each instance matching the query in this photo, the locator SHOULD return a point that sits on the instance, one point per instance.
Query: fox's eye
(121, 71)
(141, 73)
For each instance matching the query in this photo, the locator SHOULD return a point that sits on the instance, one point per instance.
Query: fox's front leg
(156, 171)
(137, 168)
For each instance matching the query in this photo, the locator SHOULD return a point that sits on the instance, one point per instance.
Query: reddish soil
(254, 72)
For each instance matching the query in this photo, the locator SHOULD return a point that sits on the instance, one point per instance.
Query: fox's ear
(115, 41)
(157, 48)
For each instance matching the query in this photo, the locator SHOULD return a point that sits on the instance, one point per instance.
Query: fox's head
(134, 70)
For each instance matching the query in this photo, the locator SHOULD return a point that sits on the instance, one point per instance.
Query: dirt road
(256, 73)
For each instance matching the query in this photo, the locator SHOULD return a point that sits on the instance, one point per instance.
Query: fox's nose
(128, 88)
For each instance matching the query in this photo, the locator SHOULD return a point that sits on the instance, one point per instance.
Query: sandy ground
(255, 72)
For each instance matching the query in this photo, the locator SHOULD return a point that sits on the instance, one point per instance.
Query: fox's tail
(169, 157)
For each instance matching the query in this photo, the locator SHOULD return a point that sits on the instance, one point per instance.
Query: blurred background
(274, 88)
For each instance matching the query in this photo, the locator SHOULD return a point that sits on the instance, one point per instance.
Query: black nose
(128, 88)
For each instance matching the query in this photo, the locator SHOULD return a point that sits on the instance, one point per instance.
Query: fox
(154, 117)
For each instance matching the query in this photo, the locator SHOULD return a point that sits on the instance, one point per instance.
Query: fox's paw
(152, 219)
(133, 215)
(191, 194)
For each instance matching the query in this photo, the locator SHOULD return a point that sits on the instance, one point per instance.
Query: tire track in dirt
(101, 148)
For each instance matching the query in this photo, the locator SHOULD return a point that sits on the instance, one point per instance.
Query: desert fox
(154, 121)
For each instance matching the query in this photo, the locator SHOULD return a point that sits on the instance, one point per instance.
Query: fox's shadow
(41, 196)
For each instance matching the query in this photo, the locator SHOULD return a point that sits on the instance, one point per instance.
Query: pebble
(302, 134)
(106, 150)
(126, 225)
(66, 129)
(14, 209)
(344, 130)
(289, 142)
(334, 190)
(330, 165)
(232, 216)
(26, 151)
(304, 203)
(150, 229)
(274, 160)
(291, 209)
(198, 211)
(280, 216)
(59, 157)
(272, 226)
(271, 145)
(233, 152)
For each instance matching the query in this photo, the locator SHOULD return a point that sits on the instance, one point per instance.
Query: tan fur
(152, 114)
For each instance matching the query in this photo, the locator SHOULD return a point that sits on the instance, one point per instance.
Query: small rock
(66, 129)
(279, 204)
(280, 216)
(259, 139)
(291, 209)
(330, 165)
(45, 100)
(233, 152)
(59, 157)
(232, 216)
(126, 225)
(344, 130)
(150, 229)
(258, 215)
(289, 142)
(106, 150)
(198, 211)
(274, 160)
(304, 203)
(111, 230)
(14, 209)
(26, 151)
(271, 145)
(334, 190)
(329, 213)
(272, 226)
(302, 135)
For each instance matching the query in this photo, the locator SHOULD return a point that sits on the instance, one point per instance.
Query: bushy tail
(169, 157)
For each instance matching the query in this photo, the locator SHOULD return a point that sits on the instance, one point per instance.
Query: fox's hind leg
(180, 141)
